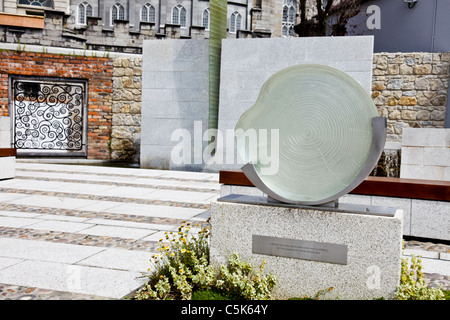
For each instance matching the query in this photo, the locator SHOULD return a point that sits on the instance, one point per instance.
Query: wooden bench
(374, 186)
(8, 152)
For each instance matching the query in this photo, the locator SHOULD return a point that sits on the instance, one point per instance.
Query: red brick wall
(98, 72)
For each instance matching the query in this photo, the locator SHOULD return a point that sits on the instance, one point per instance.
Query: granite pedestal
(365, 248)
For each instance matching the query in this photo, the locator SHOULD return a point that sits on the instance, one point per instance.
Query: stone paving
(87, 232)
(75, 232)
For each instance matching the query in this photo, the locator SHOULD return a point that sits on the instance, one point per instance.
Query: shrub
(210, 294)
(182, 268)
(239, 280)
(412, 283)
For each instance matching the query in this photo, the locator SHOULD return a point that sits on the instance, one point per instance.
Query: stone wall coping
(58, 50)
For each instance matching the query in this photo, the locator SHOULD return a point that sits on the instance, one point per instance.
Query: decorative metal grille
(48, 115)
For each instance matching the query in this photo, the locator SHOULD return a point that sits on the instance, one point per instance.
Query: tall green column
(218, 31)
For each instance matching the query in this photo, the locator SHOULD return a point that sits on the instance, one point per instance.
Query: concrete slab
(155, 211)
(56, 217)
(128, 192)
(421, 253)
(113, 231)
(6, 196)
(18, 214)
(61, 226)
(73, 278)
(10, 183)
(14, 222)
(119, 259)
(177, 183)
(430, 265)
(7, 262)
(51, 202)
(155, 236)
(181, 196)
(99, 205)
(44, 251)
(131, 224)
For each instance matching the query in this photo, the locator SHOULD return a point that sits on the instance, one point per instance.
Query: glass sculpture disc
(323, 117)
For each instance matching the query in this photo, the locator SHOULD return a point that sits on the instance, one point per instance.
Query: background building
(122, 25)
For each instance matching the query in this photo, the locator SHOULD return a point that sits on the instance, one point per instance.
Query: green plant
(182, 271)
(317, 296)
(412, 283)
(210, 294)
(240, 280)
(20, 48)
(446, 294)
(181, 266)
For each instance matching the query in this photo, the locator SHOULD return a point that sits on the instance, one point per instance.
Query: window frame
(119, 7)
(151, 13)
(234, 18)
(83, 7)
(288, 18)
(31, 5)
(177, 13)
(208, 12)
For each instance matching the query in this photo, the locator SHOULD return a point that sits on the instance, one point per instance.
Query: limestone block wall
(126, 108)
(175, 101)
(426, 154)
(410, 89)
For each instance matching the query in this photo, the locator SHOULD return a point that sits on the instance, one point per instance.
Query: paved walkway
(84, 232)
(88, 232)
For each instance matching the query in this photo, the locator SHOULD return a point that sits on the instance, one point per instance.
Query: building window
(84, 11)
(37, 3)
(117, 12)
(148, 13)
(289, 12)
(179, 15)
(205, 18)
(235, 22)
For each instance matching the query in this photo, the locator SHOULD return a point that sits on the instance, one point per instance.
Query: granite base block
(374, 248)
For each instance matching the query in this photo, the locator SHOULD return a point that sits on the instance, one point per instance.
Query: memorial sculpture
(330, 135)
(329, 138)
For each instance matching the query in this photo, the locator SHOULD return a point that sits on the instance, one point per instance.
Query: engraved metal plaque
(300, 249)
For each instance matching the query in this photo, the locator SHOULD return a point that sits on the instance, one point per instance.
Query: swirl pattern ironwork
(48, 116)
